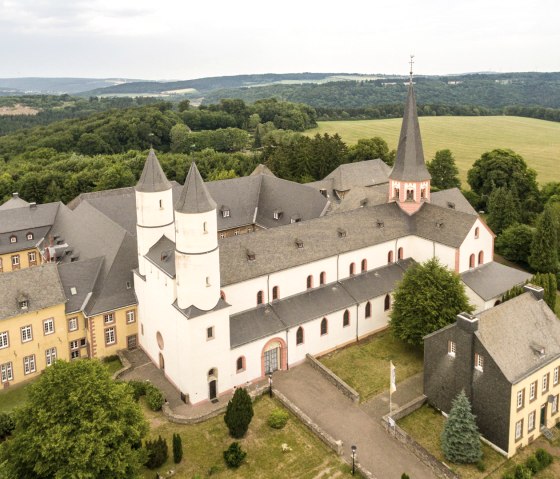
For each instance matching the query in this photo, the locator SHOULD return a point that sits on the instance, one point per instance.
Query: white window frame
(73, 324)
(48, 326)
(519, 429)
(109, 318)
(451, 348)
(13, 239)
(519, 399)
(29, 236)
(130, 316)
(531, 421)
(15, 260)
(32, 256)
(6, 372)
(554, 405)
(4, 339)
(110, 336)
(555, 376)
(29, 364)
(532, 391)
(545, 383)
(26, 333)
(50, 355)
(479, 362)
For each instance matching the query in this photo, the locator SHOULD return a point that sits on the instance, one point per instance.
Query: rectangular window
(4, 339)
(74, 354)
(110, 336)
(479, 362)
(554, 406)
(6, 372)
(519, 429)
(51, 356)
(555, 377)
(545, 383)
(108, 318)
(26, 334)
(520, 398)
(130, 316)
(531, 421)
(29, 364)
(15, 261)
(32, 258)
(1, 267)
(74, 349)
(210, 332)
(72, 324)
(533, 391)
(48, 326)
(451, 348)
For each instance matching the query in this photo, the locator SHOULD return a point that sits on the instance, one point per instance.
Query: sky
(173, 39)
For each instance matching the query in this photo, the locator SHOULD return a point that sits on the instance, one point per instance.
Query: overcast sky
(174, 39)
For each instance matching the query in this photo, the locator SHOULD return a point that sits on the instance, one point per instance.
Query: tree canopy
(428, 298)
(503, 209)
(544, 248)
(77, 422)
(445, 173)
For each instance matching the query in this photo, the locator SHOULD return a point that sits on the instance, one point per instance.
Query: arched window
(352, 269)
(368, 310)
(481, 257)
(240, 364)
(387, 302)
(310, 281)
(400, 254)
(346, 319)
(476, 232)
(409, 195)
(390, 257)
(260, 297)
(324, 326)
(364, 265)
(299, 336)
(323, 278)
(223, 295)
(275, 293)
(471, 261)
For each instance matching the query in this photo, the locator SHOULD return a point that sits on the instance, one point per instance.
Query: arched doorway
(213, 384)
(161, 361)
(273, 356)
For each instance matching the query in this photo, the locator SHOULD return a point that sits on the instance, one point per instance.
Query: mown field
(538, 141)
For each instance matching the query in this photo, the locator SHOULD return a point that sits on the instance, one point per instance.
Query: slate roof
(452, 199)
(265, 320)
(153, 178)
(14, 202)
(511, 331)
(262, 170)
(493, 279)
(78, 280)
(409, 163)
(360, 196)
(40, 285)
(194, 197)
(361, 173)
(193, 312)
(162, 254)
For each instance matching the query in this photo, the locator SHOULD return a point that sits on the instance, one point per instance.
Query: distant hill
(18, 86)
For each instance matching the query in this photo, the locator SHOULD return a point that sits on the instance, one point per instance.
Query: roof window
(225, 211)
(380, 224)
(277, 214)
(251, 256)
(341, 232)
(299, 243)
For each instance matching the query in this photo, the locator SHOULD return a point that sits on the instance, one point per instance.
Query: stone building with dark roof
(507, 360)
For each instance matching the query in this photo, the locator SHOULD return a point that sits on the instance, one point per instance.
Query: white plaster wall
(379, 317)
(243, 296)
(472, 245)
(148, 210)
(198, 279)
(422, 250)
(475, 299)
(191, 236)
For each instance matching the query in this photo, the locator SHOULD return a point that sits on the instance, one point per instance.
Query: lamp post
(270, 384)
(353, 459)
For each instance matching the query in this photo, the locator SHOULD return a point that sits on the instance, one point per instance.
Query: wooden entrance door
(543, 415)
(212, 389)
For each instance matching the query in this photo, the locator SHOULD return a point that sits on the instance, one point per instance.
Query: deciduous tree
(445, 173)
(503, 210)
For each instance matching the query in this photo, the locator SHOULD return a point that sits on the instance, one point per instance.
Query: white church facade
(218, 313)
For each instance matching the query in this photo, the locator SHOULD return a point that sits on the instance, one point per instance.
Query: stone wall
(334, 379)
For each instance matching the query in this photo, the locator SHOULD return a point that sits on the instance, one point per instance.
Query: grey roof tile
(194, 196)
(153, 178)
(452, 199)
(511, 330)
(253, 324)
(360, 173)
(493, 279)
(409, 163)
(14, 202)
(262, 170)
(162, 255)
(39, 285)
(78, 280)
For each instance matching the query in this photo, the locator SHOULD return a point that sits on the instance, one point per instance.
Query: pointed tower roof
(194, 195)
(409, 164)
(153, 178)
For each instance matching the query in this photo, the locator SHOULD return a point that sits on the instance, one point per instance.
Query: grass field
(365, 366)
(538, 141)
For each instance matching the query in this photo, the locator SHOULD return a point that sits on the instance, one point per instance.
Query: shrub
(404, 475)
(521, 472)
(533, 464)
(177, 448)
(138, 388)
(154, 398)
(108, 359)
(7, 425)
(213, 470)
(543, 457)
(508, 475)
(239, 413)
(234, 455)
(278, 418)
(481, 466)
(156, 452)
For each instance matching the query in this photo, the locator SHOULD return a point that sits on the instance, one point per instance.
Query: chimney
(536, 291)
(15, 195)
(467, 322)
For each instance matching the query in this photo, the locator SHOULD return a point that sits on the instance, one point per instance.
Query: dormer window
(380, 224)
(225, 211)
(451, 205)
(277, 214)
(295, 219)
(23, 304)
(251, 255)
(13, 239)
(299, 244)
(341, 233)
(29, 236)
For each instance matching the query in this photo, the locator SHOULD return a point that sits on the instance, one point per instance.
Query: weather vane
(411, 63)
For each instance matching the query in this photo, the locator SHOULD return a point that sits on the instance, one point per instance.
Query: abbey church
(222, 283)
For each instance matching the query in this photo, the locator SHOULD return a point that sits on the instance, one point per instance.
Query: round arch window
(159, 339)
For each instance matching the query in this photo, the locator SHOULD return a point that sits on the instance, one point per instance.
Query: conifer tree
(544, 248)
(548, 282)
(239, 413)
(177, 448)
(445, 173)
(460, 439)
(503, 210)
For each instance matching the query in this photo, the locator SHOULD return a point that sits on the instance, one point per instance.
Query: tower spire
(411, 63)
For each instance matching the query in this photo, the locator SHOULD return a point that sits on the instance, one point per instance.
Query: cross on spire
(411, 63)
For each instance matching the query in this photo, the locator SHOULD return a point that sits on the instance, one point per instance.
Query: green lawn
(203, 445)
(113, 364)
(538, 141)
(426, 424)
(14, 396)
(365, 366)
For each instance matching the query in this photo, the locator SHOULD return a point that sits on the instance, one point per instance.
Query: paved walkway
(354, 424)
